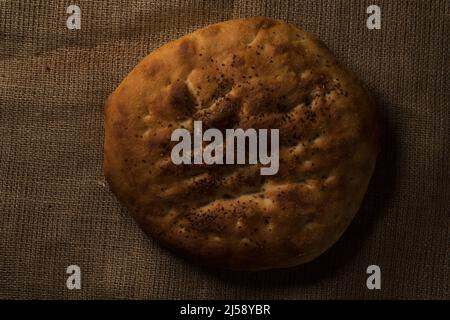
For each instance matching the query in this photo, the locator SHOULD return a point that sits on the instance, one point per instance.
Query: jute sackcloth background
(55, 209)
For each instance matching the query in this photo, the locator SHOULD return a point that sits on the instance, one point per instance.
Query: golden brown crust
(258, 73)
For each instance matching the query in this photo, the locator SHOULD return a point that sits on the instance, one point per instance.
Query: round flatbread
(249, 73)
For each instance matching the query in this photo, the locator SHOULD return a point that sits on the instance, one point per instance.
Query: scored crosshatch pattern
(56, 209)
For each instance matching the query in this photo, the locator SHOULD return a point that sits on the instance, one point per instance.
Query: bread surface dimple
(250, 73)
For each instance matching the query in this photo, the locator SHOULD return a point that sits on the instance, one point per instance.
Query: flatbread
(247, 73)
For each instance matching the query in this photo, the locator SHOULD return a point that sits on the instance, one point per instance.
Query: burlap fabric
(55, 209)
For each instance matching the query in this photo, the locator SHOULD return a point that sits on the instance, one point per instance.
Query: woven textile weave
(56, 210)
